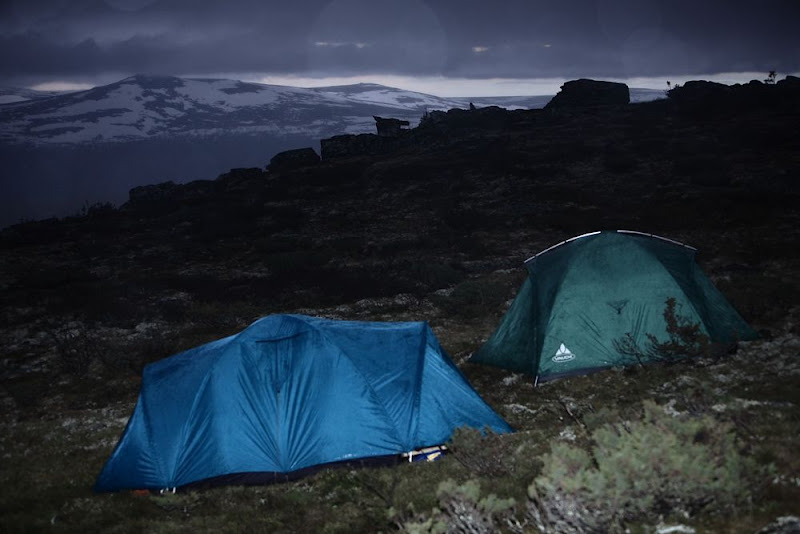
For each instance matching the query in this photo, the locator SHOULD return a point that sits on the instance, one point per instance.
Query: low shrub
(641, 470)
(135, 355)
(78, 347)
(644, 470)
(461, 509)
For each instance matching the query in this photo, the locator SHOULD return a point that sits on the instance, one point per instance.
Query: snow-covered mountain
(147, 107)
(10, 95)
(646, 95)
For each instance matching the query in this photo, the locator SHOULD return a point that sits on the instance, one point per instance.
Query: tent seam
(206, 378)
(421, 354)
(374, 395)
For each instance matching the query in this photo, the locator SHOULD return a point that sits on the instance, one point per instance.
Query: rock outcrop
(390, 127)
(704, 97)
(152, 194)
(489, 118)
(585, 93)
(361, 145)
(293, 159)
(789, 83)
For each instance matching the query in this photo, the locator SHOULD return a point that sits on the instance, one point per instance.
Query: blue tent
(288, 394)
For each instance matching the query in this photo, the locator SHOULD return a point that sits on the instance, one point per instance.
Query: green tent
(585, 296)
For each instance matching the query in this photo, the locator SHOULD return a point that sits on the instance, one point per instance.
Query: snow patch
(669, 409)
(519, 408)
(568, 434)
(10, 99)
(511, 379)
(674, 529)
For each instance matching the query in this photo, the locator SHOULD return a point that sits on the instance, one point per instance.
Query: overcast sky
(507, 46)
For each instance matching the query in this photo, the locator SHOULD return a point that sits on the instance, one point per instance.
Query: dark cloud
(623, 37)
(43, 39)
(387, 37)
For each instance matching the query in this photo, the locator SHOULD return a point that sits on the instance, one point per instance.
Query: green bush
(78, 347)
(461, 509)
(640, 470)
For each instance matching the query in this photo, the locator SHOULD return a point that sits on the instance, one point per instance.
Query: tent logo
(563, 354)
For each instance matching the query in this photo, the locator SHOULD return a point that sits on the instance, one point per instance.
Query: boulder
(788, 88)
(585, 93)
(153, 193)
(293, 159)
(701, 98)
(488, 118)
(390, 127)
(789, 83)
(697, 90)
(240, 180)
(783, 525)
(162, 197)
(704, 98)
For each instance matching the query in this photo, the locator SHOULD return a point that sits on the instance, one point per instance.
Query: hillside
(433, 228)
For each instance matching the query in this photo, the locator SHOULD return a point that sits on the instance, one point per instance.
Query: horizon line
(439, 86)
